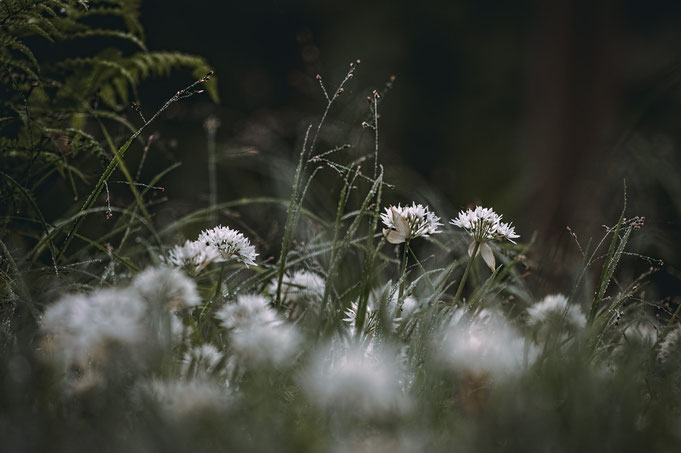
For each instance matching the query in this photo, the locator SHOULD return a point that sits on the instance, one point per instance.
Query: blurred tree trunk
(571, 106)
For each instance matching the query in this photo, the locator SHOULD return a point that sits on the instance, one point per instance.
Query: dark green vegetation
(340, 342)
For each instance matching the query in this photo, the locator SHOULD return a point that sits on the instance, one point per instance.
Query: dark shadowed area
(540, 109)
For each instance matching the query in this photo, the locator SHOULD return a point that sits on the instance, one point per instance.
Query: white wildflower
(298, 290)
(181, 400)
(81, 327)
(483, 225)
(201, 360)
(192, 257)
(230, 244)
(354, 381)
(485, 344)
(247, 310)
(166, 287)
(396, 313)
(556, 307)
(409, 222)
(670, 346)
(275, 344)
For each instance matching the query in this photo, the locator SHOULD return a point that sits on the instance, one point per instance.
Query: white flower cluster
(485, 344)
(81, 328)
(201, 360)
(398, 314)
(556, 307)
(256, 332)
(218, 244)
(409, 222)
(670, 346)
(298, 290)
(354, 381)
(182, 400)
(483, 224)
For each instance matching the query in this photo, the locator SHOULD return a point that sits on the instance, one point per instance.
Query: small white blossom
(248, 310)
(201, 360)
(275, 344)
(192, 257)
(181, 400)
(409, 222)
(483, 224)
(230, 244)
(409, 306)
(670, 346)
(81, 327)
(485, 344)
(556, 307)
(167, 287)
(298, 290)
(354, 381)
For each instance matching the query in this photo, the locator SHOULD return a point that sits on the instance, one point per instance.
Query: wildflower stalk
(610, 262)
(465, 272)
(403, 269)
(118, 157)
(218, 286)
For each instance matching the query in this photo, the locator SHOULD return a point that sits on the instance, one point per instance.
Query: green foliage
(68, 71)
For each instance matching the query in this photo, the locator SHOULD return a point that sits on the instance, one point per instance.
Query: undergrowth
(376, 328)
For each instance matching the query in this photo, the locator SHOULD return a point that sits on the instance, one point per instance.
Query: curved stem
(465, 273)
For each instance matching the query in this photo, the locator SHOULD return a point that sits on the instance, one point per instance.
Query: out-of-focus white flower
(485, 344)
(556, 307)
(166, 287)
(256, 333)
(192, 257)
(247, 310)
(354, 381)
(275, 344)
(483, 225)
(670, 346)
(230, 244)
(298, 290)
(181, 400)
(201, 360)
(409, 222)
(397, 312)
(81, 327)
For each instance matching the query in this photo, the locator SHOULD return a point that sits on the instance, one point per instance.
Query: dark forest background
(539, 109)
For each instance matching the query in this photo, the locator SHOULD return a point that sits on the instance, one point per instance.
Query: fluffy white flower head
(409, 222)
(181, 400)
(354, 381)
(230, 244)
(670, 346)
(201, 360)
(192, 257)
(81, 327)
(166, 287)
(274, 343)
(556, 306)
(302, 284)
(486, 344)
(248, 310)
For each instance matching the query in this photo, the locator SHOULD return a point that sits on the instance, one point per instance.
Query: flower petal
(487, 255)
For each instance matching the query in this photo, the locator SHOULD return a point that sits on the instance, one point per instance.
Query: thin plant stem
(218, 287)
(403, 269)
(465, 272)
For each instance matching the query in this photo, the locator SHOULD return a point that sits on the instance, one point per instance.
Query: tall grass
(160, 344)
